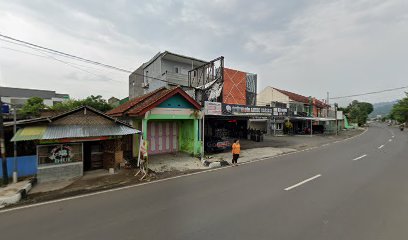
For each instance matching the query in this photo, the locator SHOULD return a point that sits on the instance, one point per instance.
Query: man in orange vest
(236, 150)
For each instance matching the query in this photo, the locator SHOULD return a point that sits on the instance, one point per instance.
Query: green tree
(358, 111)
(96, 102)
(399, 111)
(33, 107)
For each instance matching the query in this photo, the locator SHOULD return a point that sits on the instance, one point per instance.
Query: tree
(33, 107)
(96, 102)
(399, 111)
(358, 111)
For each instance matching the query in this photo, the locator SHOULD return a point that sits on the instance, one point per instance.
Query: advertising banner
(247, 110)
(213, 108)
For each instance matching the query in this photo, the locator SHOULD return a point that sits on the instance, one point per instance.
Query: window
(59, 153)
(278, 126)
(146, 79)
(176, 70)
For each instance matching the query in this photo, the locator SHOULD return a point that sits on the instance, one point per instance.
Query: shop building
(80, 140)
(305, 113)
(168, 117)
(225, 122)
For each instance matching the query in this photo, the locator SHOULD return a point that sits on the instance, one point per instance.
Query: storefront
(80, 140)
(168, 118)
(225, 122)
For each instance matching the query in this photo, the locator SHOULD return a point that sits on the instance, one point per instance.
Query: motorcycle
(402, 128)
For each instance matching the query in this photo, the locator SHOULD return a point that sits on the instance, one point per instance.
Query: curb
(21, 194)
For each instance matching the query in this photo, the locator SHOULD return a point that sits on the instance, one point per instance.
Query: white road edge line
(302, 182)
(162, 180)
(362, 156)
(327, 144)
(381, 146)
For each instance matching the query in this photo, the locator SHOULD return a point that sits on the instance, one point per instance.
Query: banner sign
(244, 110)
(280, 111)
(213, 108)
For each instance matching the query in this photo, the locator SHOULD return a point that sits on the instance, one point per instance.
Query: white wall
(269, 94)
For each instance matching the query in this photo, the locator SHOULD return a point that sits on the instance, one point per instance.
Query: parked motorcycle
(402, 127)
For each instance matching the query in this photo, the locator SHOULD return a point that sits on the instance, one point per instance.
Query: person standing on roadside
(236, 150)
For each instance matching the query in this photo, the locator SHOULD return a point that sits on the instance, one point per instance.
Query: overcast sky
(309, 47)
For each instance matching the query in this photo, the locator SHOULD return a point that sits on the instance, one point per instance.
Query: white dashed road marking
(363, 156)
(302, 182)
(381, 146)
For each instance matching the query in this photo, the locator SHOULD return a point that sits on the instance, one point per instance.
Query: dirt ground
(271, 146)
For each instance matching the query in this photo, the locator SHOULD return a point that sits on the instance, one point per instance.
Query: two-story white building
(165, 69)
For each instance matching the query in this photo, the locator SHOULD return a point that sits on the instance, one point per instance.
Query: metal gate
(162, 137)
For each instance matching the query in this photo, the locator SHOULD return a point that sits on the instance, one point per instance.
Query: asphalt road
(354, 189)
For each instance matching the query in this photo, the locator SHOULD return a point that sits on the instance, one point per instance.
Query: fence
(26, 166)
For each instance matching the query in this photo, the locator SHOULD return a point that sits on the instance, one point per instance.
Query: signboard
(5, 108)
(340, 115)
(213, 108)
(243, 110)
(280, 111)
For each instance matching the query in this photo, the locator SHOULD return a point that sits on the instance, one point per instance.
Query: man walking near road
(236, 149)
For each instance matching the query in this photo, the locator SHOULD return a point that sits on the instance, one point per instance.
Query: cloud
(308, 47)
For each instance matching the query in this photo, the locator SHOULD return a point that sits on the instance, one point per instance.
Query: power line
(73, 65)
(64, 54)
(369, 93)
(71, 56)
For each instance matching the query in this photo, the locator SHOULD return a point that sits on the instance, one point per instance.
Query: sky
(310, 47)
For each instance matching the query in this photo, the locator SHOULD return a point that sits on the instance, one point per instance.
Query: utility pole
(327, 100)
(3, 147)
(335, 115)
(15, 175)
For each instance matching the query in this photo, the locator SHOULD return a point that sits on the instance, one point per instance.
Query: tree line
(35, 105)
(399, 111)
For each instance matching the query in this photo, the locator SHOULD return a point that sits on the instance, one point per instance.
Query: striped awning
(71, 131)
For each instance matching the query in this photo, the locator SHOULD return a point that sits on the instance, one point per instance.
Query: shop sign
(244, 110)
(213, 108)
(280, 111)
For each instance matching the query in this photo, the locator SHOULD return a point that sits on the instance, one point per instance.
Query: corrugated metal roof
(71, 131)
(80, 131)
(29, 133)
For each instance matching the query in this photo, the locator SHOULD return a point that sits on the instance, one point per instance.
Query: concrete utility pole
(15, 175)
(3, 147)
(335, 115)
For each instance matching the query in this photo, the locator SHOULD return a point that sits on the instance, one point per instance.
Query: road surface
(356, 189)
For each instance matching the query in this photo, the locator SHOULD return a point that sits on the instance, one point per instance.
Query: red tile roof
(144, 103)
(299, 98)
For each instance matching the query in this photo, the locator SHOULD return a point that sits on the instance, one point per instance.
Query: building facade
(163, 70)
(305, 113)
(19, 96)
(169, 120)
(68, 144)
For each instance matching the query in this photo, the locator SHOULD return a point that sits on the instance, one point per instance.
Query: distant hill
(382, 108)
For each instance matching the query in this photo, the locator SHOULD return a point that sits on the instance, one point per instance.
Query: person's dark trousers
(235, 158)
